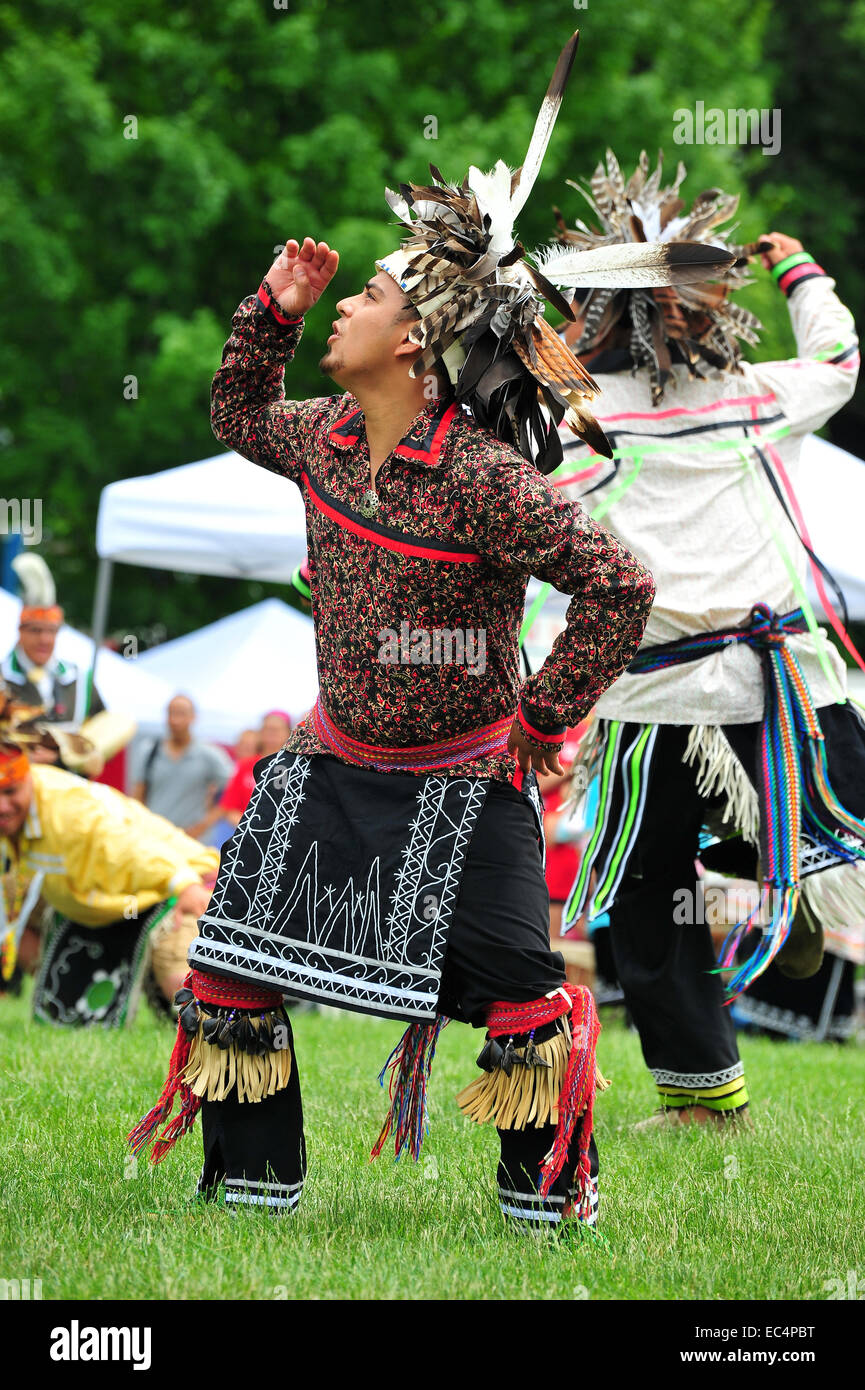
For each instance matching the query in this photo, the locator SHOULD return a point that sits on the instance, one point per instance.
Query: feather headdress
(695, 324)
(38, 596)
(481, 301)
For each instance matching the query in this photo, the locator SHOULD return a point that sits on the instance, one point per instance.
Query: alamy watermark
(77, 1343)
(438, 646)
(850, 1286)
(735, 126)
(20, 1290)
(21, 516)
(715, 905)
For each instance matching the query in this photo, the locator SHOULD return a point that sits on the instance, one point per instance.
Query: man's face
(180, 716)
(370, 334)
(14, 805)
(37, 641)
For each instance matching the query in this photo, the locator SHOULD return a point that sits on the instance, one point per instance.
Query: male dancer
(111, 871)
(714, 723)
(391, 858)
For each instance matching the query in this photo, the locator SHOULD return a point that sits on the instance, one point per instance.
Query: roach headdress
(690, 323)
(481, 301)
(38, 595)
(16, 735)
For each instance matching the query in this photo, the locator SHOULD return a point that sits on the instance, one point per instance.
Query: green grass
(691, 1214)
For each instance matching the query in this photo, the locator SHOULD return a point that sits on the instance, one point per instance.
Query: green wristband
(797, 258)
(300, 584)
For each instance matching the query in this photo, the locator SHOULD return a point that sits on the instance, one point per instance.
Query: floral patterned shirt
(418, 586)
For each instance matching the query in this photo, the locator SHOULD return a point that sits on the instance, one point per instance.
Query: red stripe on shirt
(387, 542)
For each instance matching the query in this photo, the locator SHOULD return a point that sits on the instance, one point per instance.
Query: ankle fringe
(212, 1072)
(529, 1096)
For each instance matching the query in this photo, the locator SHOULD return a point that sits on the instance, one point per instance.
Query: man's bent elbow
(642, 591)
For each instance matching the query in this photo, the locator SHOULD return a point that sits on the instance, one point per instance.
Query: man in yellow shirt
(111, 871)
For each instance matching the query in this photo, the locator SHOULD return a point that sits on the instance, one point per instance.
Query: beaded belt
(425, 757)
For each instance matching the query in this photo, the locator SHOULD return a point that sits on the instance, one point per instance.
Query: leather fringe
(720, 773)
(529, 1096)
(835, 898)
(212, 1072)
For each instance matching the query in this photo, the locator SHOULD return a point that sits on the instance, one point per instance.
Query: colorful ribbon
(793, 781)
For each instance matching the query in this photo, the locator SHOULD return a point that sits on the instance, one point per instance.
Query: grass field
(776, 1213)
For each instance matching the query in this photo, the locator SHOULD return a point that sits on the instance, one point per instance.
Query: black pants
(666, 966)
(687, 1035)
(498, 950)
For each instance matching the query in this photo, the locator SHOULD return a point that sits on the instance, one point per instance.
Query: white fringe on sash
(719, 773)
(835, 898)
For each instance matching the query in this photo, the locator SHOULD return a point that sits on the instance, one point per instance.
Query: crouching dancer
(120, 887)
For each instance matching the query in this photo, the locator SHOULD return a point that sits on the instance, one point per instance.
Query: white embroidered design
(336, 941)
(693, 1081)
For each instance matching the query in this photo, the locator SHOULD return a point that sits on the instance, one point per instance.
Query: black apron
(339, 884)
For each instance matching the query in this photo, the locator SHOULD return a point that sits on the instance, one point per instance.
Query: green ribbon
(797, 258)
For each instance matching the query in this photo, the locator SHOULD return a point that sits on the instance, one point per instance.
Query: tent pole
(99, 620)
(101, 599)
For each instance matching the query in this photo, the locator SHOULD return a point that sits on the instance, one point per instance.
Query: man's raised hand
(300, 273)
(783, 246)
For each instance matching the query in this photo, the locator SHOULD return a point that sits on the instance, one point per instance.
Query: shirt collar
(423, 440)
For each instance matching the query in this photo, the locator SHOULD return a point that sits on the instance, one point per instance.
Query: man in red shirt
(256, 744)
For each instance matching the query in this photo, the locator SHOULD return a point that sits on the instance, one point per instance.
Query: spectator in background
(248, 745)
(222, 819)
(275, 729)
(179, 777)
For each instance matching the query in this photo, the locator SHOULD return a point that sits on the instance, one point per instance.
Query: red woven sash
(425, 757)
(232, 994)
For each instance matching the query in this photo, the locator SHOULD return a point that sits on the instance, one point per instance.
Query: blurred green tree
(153, 157)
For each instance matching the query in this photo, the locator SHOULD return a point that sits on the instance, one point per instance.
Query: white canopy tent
(240, 667)
(832, 497)
(223, 515)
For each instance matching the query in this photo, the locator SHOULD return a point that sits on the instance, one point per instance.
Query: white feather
(531, 165)
(632, 265)
(37, 585)
(398, 205)
(493, 192)
(650, 218)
